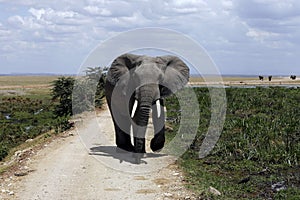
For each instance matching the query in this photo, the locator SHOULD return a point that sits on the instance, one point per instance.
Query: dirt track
(86, 166)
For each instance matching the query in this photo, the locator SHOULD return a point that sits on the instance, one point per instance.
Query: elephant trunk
(146, 94)
(143, 112)
(141, 118)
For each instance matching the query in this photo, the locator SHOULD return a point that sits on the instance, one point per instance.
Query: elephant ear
(120, 67)
(176, 75)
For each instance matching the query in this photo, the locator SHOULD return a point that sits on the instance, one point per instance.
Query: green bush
(3, 151)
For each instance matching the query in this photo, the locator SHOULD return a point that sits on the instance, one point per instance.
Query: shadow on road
(121, 155)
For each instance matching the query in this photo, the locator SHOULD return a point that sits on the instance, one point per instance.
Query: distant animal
(270, 78)
(261, 78)
(293, 77)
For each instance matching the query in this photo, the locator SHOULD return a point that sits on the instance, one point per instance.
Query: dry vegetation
(26, 81)
(226, 80)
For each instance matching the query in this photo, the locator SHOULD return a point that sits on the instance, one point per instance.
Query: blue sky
(241, 36)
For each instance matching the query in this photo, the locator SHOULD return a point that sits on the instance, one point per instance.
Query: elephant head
(143, 81)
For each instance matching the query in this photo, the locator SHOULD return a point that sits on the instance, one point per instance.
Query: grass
(201, 79)
(259, 145)
(235, 80)
(35, 143)
(29, 86)
(24, 81)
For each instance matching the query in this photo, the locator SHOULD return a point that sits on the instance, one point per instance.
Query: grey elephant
(137, 84)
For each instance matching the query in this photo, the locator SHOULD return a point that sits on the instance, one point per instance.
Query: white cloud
(94, 10)
(186, 7)
(24, 22)
(38, 13)
(225, 28)
(260, 34)
(4, 32)
(188, 3)
(133, 21)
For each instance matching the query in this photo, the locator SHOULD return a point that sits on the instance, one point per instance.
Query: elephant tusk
(134, 108)
(158, 109)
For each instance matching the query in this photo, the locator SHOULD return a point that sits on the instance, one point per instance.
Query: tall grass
(260, 140)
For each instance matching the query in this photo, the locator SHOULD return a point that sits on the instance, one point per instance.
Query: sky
(247, 37)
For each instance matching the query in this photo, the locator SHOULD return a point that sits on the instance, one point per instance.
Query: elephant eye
(160, 78)
(138, 63)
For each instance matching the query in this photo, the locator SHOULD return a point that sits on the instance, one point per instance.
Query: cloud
(94, 10)
(226, 28)
(261, 35)
(186, 7)
(4, 33)
(272, 9)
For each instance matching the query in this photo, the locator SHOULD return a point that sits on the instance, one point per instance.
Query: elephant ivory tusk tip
(134, 108)
(158, 109)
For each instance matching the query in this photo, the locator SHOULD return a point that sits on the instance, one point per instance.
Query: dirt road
(86, 166)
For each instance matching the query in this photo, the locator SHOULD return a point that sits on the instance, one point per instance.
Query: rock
(11, 193)
(168, 194)
(17, 153)
(26, 168)
(278, 186)
(176, 174)
(29, 140)
(21, 173)
(214, 191)
(71, 134)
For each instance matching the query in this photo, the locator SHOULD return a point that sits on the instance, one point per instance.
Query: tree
(97, 74)
(83, 94)
(62, 91)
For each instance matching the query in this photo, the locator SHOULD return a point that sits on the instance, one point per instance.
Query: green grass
(27, 115)
(260, 141)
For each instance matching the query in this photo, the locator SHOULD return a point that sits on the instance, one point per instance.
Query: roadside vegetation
(258, 153)
(38, 111)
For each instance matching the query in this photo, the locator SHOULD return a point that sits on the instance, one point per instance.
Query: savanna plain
(256, 157)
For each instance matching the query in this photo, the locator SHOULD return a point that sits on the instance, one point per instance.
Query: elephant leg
(122, 132)
(121, 123)
(158, 141)
(139, 144)
(123, 139)
(139, 139)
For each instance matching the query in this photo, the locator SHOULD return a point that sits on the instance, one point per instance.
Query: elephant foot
(138, 157)
(139, 145)
(157, 143)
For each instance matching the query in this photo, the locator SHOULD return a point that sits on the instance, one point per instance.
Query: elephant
(270, 78)
(135, 85)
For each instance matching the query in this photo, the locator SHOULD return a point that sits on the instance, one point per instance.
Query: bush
(62, 91)
(83, 94)
(3, 151)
